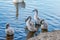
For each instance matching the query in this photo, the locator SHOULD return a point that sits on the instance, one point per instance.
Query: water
(48, 10)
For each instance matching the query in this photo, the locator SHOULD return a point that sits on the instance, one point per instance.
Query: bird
(44, 26)
(30, 25)
(9, 30)
(36, 17)
(18, 1)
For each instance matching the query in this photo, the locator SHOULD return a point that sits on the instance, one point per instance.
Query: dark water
(48, 10)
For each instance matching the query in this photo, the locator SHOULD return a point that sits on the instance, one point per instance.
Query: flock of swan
(30, 25)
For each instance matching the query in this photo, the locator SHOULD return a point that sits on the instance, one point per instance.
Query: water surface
(47, 9)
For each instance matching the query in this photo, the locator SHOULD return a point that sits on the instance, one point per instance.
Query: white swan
(36, 17)
(44, 26)
(30, 25)
(9, 30)
(18, 1)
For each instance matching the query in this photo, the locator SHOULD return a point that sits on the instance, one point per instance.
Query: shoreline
(55, 35)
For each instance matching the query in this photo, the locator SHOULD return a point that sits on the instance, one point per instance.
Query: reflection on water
(9, 37)
(17, 10)
(19, 6)
(22, 5)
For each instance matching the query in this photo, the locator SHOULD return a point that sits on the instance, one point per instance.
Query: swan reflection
(18, 6)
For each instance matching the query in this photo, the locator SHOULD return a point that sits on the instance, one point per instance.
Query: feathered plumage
(30, 25)
(44, 25)
(36, 17)
(9, 30)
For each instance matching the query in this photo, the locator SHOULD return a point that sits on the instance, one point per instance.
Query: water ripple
(48, 10)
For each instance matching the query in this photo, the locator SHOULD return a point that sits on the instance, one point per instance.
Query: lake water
(47, 9)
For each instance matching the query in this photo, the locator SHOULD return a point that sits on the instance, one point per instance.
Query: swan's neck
(36, 14)
(28, 21)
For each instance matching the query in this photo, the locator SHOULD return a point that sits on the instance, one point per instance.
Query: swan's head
(28, 18)
(35, 11)
(7, 25)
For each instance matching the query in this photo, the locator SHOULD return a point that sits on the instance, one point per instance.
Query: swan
(9, 30)
(44, 26)
(36, 17)
(30, 25)
(18, 1)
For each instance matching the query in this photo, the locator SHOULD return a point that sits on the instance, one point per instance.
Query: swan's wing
(38, 19)
(33, 27)
(31, 23)
(46, 24)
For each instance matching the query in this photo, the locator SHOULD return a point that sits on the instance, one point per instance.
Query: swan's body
(44, 26)
(30, 25)
(9, 30)
(36, 18)
(18, 1)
